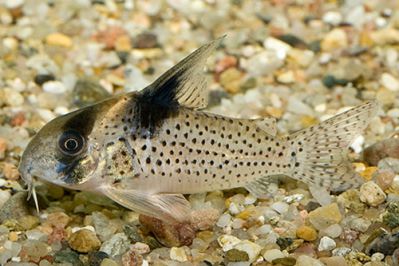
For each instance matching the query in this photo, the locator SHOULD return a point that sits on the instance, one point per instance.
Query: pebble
(4, 196)
(10, 171)
(286, 77)
(273, 254)
(391, 216)
(304, 260)
(33, 250)
(3, 147)
(11, 97)
(335, 39)
(325, 216)
(280, 48)
(263, 63)
(333, 231)
(108, 262)
(231, 80)
(55, 87)
(334, 261)
(59, 39)
(116, 245)
(96, 258)
(145, 41)
(332, 18)
(84, 241)
(372, 194)
(227, 242)
(389, 82)
(169, 235)
(250, 248)
(307, 233)
(15, 207)
(178, 254)
(87, 92)
(140, 248)
(326, 243)
(40, 79)
(385, 148)
(384, 178)
(280, 207)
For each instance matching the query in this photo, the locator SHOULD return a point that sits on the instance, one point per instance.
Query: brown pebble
(381, 150)
(10, 171)
(84, 241)
(204, 219)
(131, 258)
(170, 235)
(384, 178)
(3, 148)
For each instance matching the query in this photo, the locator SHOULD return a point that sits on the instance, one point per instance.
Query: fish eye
(71, 142)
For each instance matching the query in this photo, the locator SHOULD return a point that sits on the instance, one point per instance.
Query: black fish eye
(71, 142)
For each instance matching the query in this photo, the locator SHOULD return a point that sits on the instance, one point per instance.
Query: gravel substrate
(298, 61)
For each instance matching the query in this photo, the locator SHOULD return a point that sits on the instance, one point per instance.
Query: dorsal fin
(267, 124)
(185, 83)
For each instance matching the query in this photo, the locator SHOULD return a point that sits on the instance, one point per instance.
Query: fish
(146, 149)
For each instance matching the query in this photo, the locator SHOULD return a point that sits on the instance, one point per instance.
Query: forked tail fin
(319, 152)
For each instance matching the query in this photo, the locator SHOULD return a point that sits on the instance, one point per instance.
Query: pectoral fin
(263, 187)
(170, 208)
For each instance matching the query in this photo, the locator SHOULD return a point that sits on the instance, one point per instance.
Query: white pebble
(286, 77)
(61, 110)
(321, 108)
(227, 242)
(54, 86)
(140, 248)
(88, 227)
(372, 194)
(333, 231)
(377, 256)
(280, 207)
(45, 114)
(273, 254)
(389, 82)
(224, 220)
(357, 144)
(280, 47)
(235, 208)
(178, 254)
(249, 199)
(326, 243)
(264, 229)
(341, 252)
(332, 17)
(13, 97)
(250, 248)
(393, 112)
(11, 4)
(293, 198)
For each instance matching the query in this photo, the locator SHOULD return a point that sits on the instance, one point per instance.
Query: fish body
(145, 149)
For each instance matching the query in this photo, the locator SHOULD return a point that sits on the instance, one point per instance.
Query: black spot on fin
(184, 84)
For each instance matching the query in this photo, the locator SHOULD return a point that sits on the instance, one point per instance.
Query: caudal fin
(320, 151)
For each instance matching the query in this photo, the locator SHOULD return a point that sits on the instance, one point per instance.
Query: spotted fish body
(144, 150)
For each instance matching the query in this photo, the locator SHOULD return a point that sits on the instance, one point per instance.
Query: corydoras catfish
(145, 149)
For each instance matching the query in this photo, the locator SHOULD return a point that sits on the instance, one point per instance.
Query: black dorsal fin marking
(185, 83)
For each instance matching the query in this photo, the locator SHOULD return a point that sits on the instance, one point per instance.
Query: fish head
(63, 152)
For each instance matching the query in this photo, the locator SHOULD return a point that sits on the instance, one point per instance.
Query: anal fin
(170, 208)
